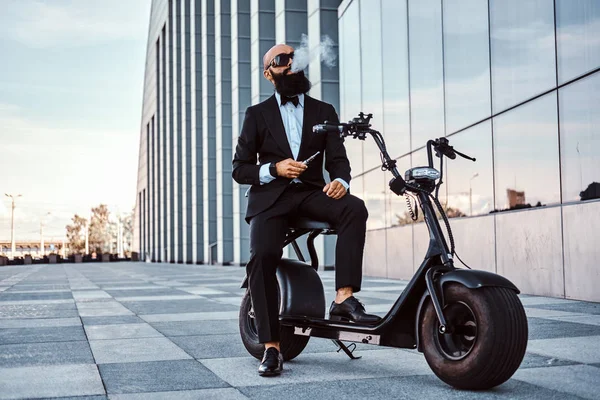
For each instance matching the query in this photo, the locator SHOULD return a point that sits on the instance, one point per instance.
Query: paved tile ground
(132, 331)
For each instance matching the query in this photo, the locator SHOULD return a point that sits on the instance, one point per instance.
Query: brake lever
(465, 156)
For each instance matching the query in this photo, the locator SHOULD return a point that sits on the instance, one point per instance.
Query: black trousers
(267, 234)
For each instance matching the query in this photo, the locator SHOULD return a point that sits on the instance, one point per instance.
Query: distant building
(32, 248)
(515, 84)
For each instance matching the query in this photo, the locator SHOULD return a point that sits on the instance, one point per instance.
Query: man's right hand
(290, 168)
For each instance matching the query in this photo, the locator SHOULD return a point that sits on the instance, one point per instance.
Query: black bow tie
(294, 100)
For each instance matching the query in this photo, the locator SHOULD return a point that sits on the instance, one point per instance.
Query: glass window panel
(396, 122)
(522, 39)
(577, 30)
(374, 196)
(426, 71)
(372, 90)
(470, 184)
(350, 79)
(466, 63)
(526, 155)
(356, 187)
(396, 210)
(579, 105)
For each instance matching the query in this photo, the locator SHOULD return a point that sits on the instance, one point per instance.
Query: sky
(71, 89)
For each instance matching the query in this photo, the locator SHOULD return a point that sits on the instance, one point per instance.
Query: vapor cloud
(324, 51)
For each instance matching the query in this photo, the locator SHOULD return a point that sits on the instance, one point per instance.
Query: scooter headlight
(422, 173)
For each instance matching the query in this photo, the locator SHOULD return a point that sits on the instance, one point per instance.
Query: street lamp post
(471, 194)
(42, 245)
(12, 224)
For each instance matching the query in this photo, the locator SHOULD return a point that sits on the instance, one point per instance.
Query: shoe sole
(267, 373)
(345, 319)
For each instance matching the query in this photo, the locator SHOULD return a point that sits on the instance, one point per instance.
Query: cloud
(71, 23)
(62, 170)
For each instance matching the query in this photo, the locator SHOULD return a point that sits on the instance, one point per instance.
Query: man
(279, 130)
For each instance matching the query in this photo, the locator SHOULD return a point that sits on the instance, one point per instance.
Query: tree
(76, 234)
(127, 222)
(99, 235)
(406, 219)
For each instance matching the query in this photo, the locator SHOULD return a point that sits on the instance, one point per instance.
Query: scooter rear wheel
(291, 345)
(487, 338)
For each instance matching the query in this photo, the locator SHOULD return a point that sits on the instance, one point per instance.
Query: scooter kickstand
(346, 349)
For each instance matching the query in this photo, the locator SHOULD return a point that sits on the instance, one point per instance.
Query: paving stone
(581, 349)
(38, 323)
(75, 398)
(202, 394)
(580, 380)
(121, 331)
(190, 328)
(51, 381)
(48, 334)
(112, 320)
(537, 361)
(405, 387)
(177, 306)
(136, 350)
(145, 292)
(62, 295)
(38, 311)
(578, 307)
(198, 316)
(212, 346)
(158, 377)
(18, 355)
(540, 328)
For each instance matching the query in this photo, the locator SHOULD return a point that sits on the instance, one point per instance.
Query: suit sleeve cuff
(343, 182)
(264, 174)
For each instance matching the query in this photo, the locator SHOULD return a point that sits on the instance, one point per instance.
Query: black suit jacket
(263, 140)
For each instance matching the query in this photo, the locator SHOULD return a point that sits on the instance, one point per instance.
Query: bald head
(276, 50)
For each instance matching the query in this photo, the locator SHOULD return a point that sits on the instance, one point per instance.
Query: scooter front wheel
(486, 338)
(291, 345)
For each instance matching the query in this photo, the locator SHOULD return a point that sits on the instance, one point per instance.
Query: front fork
(437, 297)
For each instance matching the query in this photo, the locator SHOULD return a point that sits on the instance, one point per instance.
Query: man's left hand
(335, 190)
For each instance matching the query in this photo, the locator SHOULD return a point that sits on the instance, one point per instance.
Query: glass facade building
(203, 69)
(513, 83)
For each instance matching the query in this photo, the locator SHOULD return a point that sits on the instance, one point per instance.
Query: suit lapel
(308, 120)
(272, 115)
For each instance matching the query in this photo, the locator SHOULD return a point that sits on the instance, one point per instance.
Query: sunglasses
(281, 60)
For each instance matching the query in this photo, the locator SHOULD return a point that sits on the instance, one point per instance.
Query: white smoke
(303, 55)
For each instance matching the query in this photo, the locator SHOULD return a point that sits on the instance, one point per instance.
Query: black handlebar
(324, 128)
(360, 126)
(442, 148)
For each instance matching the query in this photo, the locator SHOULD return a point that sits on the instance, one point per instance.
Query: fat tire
(501, 341)
(291, 345)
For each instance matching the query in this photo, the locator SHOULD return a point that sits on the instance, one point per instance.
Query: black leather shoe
(351, 310)
(272, 363)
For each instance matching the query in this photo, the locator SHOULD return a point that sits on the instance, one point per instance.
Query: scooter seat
(307, 223)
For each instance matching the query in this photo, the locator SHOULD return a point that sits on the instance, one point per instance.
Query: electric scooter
(470, 324)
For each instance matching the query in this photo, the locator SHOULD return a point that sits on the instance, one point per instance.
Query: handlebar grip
(324, 128)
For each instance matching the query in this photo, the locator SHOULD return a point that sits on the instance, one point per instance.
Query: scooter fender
(471, 278)
(300, 288)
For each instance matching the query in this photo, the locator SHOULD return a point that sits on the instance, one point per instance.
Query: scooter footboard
(301, 290)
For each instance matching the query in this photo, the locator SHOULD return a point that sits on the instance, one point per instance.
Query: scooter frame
(400, 327)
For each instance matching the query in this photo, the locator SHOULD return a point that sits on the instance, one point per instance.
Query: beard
(290, 85)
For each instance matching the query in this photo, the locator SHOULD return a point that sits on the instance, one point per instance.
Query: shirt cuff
(343, 182)
(264, 174)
